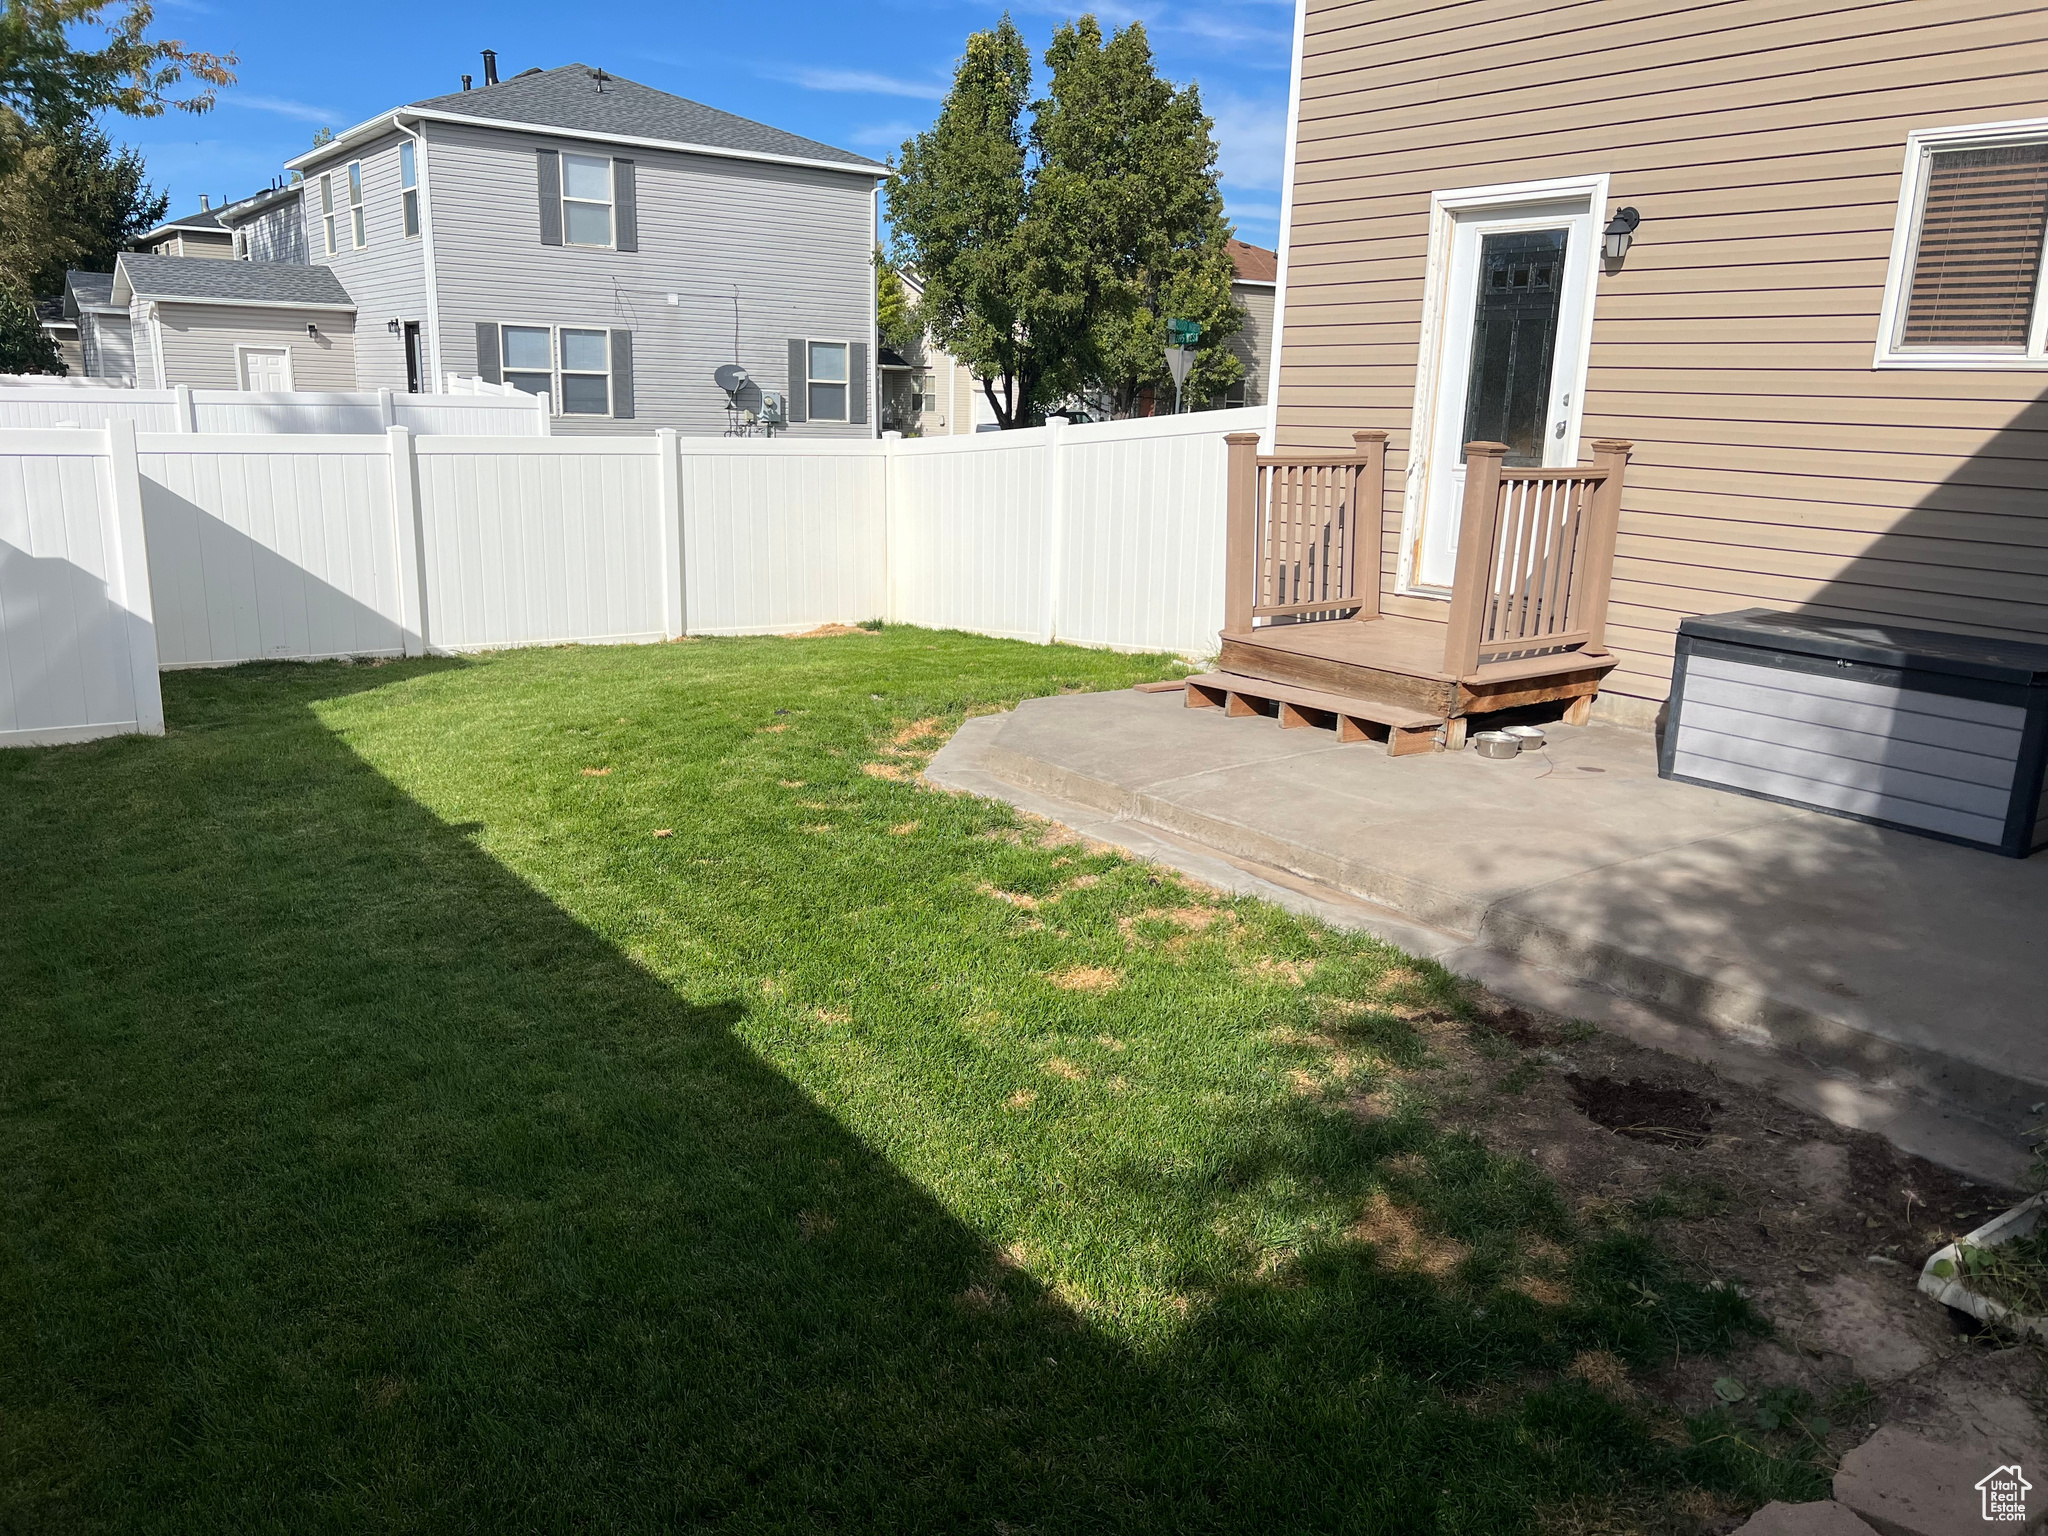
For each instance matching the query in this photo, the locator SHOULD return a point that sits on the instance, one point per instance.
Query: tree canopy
(70, 200)
(1052, 255)
(25, 347)
(51, 84)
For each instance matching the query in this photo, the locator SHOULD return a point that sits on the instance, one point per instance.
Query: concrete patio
(1889, 981)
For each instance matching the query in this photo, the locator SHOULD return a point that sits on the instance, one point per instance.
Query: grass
(402, 1132)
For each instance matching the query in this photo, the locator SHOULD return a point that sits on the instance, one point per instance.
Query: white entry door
(1512, 342)
(267, 369)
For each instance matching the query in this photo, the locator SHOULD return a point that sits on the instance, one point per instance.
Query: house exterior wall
(1762, 141)
(1253, 345)
(387, 277)
(108, 345)
(191, 243)
(199, 342)
(795, 242)
(278, 233)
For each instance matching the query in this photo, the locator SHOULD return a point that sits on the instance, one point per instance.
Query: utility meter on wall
(772, 413)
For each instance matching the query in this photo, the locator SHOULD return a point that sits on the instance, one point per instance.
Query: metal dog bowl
(1530, 736)
(1495, 744)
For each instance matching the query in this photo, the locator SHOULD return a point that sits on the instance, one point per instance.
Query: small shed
(267, 326)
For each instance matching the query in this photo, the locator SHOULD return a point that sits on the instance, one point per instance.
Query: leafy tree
(894, 317)
(958, 201)
(50, 83)
(1135, 160)
(71, 200)
(25, 347)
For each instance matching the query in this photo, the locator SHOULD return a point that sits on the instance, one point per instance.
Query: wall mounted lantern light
(311, 329)
(1620, 233)
(391, 326)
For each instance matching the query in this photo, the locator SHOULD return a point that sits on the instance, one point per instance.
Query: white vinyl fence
(477, 409)
(122, 552)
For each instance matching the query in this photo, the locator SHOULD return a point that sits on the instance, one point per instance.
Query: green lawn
(400, 1135)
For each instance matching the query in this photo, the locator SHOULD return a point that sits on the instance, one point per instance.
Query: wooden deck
(1527, 619)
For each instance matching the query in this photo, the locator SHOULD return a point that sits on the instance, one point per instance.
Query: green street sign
(1184, 333)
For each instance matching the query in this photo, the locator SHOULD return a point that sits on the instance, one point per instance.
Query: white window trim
(846, 383)
(610, 204)
(358, 209)
(244, 348)
(409, 192)
(1443, 210)
(556, 370)
(1905, 230)
(326, 214)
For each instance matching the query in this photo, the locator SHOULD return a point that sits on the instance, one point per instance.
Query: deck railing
(1304, 531)
(1535, 557)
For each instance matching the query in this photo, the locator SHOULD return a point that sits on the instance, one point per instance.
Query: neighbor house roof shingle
(568, 98)
(208, 280)
(86, 290)
(1254, 263)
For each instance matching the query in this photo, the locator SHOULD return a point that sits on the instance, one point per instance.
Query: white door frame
(1444, 211)
(244, 348)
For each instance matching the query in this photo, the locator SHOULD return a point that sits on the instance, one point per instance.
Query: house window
(355, 203)
(586, 200)
(409, 190)
(1965, 289)
(529, 358)
(826, 392)
(586, 373)
(928, 393)
(327, 210)
(241, 245)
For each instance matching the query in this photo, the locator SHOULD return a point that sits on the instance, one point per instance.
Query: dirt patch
(903, 829)
(814, 1224)
(832, 632)
(1023, 1098)
(890, 771)
(1016, 899)
(1086, 978)
(1059, 1066)
(1394, 1231)
(1515, 1024)
(1645, 1110)
(596, 773)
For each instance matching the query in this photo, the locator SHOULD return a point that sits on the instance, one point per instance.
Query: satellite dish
(731, 378)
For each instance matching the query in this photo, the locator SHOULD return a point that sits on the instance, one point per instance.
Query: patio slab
(1874, 956)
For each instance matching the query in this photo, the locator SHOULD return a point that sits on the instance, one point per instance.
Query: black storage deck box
(1940, 734)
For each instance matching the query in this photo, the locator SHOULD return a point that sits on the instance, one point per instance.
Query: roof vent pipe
(490, 66)
(465, 82)
(203, 203)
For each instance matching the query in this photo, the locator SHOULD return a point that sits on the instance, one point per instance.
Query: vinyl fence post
(1055, 521)
(130, 576)
(183, 407)
(387, 409)
(547, 420)
(409, 539)
(889, 447)
(668, 490)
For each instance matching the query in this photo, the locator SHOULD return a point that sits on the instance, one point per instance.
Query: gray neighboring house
(606, 244)
(195, 234)
(267, 227)
(106, 345)
(233, 324)
(1256, 271)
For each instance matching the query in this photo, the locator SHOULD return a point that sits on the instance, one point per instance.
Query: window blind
(1979, 256)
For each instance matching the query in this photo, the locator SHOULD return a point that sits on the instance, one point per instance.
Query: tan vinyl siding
(1762, 141)
(199, 343)
(1253, 346)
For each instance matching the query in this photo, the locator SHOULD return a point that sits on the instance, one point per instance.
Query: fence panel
(968, 533)
(30, 407)
(76, 656)
(472, 414)
(541, 542)
(270, 546)
(1141, 564)
(781, 536)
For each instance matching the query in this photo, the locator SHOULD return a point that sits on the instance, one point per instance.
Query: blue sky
(862, 74)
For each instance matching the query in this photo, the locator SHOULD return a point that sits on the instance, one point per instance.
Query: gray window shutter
(857, 383)
(622, 375)
(550, 196)
(487, 367)
(799, 379)
(625, 206)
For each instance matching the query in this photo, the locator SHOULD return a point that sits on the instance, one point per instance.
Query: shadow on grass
(353, 1184)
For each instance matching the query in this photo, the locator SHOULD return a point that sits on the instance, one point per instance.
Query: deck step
(1403, 729)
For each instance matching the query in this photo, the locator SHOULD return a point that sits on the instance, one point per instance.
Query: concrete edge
(1916, 1122)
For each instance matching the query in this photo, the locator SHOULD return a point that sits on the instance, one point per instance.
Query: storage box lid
(1882, 645)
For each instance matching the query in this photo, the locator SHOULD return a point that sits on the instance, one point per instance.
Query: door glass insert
(1514, 341)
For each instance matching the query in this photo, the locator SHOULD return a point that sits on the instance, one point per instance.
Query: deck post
(1368, 522)
(1611, 454)
(1240, 574)
(1478, 523)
